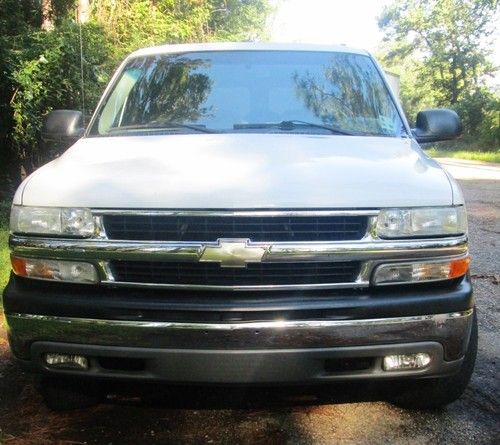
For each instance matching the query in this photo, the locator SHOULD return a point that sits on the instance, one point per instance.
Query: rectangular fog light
(402, 362)
(66, 361)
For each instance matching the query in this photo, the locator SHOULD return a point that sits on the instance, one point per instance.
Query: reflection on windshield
(348, 95)
(161, 90)
(231, 90)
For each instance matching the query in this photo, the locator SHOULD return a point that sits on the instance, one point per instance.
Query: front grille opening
(340, 365)
(122, 363)
(256, 228)
(255, 274)
(246, 316)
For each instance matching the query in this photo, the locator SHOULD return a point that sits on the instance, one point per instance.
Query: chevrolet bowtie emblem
(233, 253)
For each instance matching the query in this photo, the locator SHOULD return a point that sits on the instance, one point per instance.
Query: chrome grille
(143, 227)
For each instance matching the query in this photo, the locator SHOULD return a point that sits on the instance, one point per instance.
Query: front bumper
(259, 352)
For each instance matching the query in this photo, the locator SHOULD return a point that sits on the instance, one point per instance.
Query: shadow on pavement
(246, 397)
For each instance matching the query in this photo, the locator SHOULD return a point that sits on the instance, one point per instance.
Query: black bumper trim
(241, 366)
(107, 303)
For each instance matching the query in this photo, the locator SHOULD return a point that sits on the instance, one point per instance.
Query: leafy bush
(47, 75)
(41, 69)
(480, 114)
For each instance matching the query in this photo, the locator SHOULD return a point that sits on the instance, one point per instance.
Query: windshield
(249, 91)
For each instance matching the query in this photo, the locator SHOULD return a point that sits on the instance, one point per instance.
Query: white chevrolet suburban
(243, 214)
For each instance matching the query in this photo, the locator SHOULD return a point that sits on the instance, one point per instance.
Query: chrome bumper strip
(99, 249)
(451, 330)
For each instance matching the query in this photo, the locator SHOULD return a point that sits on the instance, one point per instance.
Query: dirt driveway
(345, 415)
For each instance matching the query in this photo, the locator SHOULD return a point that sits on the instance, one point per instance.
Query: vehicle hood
(227, 171)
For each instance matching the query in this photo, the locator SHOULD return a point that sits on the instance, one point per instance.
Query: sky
(349, 22)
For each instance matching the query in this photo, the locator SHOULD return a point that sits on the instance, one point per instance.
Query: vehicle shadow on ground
(243, 397)
(174, 414)
(227, 415)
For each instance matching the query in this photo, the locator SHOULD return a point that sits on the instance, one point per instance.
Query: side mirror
(63, 126)
(437, 124)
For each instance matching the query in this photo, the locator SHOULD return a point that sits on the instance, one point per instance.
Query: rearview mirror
(63, 126)
(437, 124)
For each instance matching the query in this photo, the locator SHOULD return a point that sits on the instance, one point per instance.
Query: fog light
(66, 361)
(71, 271)
(403, 362)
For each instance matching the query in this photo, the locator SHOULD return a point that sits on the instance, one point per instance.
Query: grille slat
(254, 274)
(255, 228)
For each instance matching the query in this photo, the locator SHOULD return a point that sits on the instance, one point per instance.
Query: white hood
(244, 171)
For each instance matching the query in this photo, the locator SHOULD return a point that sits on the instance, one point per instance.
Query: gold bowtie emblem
(233, 253)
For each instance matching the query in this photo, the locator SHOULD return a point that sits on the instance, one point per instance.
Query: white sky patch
(349, 22)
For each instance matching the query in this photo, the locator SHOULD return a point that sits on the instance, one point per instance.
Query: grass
(4, 257)
(485, 156)
(4, 249)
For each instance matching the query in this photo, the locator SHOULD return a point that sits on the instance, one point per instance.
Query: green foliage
(484, 156)
(40, 70)
(237, 20)
(480, 113)
(46, 74)
(450, 37)
(441, 49)
(4, 249)
(132, 24)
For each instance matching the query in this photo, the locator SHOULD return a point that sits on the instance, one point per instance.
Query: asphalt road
(348, 414)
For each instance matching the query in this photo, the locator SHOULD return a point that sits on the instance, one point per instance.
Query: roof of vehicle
(243, 46)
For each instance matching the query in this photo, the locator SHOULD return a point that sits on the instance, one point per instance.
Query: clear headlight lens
(52, 221)
(421, 222)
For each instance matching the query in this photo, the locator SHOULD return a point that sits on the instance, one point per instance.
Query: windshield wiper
(162, 126)
(291, 125)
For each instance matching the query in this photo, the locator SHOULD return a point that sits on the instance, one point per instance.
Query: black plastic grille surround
(255, 274)
(255, 228)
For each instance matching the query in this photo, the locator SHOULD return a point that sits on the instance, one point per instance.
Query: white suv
(244, 213)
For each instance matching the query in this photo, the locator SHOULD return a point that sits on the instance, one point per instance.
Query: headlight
(421, 222)
(52, 221)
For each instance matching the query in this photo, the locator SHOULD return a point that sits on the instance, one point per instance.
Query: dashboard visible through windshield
(249, 91)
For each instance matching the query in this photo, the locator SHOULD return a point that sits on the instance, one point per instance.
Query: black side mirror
(63, 127)
(437, 124)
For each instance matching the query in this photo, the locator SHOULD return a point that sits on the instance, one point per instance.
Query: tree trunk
(47, 23)
(83, 11)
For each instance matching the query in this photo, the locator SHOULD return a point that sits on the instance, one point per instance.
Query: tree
(83, 11)
(441, 48)
(451, 37)
(41, 68)
(132, 24)
(237, 20)
(47, 24)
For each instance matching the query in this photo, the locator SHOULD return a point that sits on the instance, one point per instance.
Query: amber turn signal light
(401, 273)
(58, 270)
(459, 267)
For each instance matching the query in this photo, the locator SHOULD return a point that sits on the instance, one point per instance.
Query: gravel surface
(344, 414)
